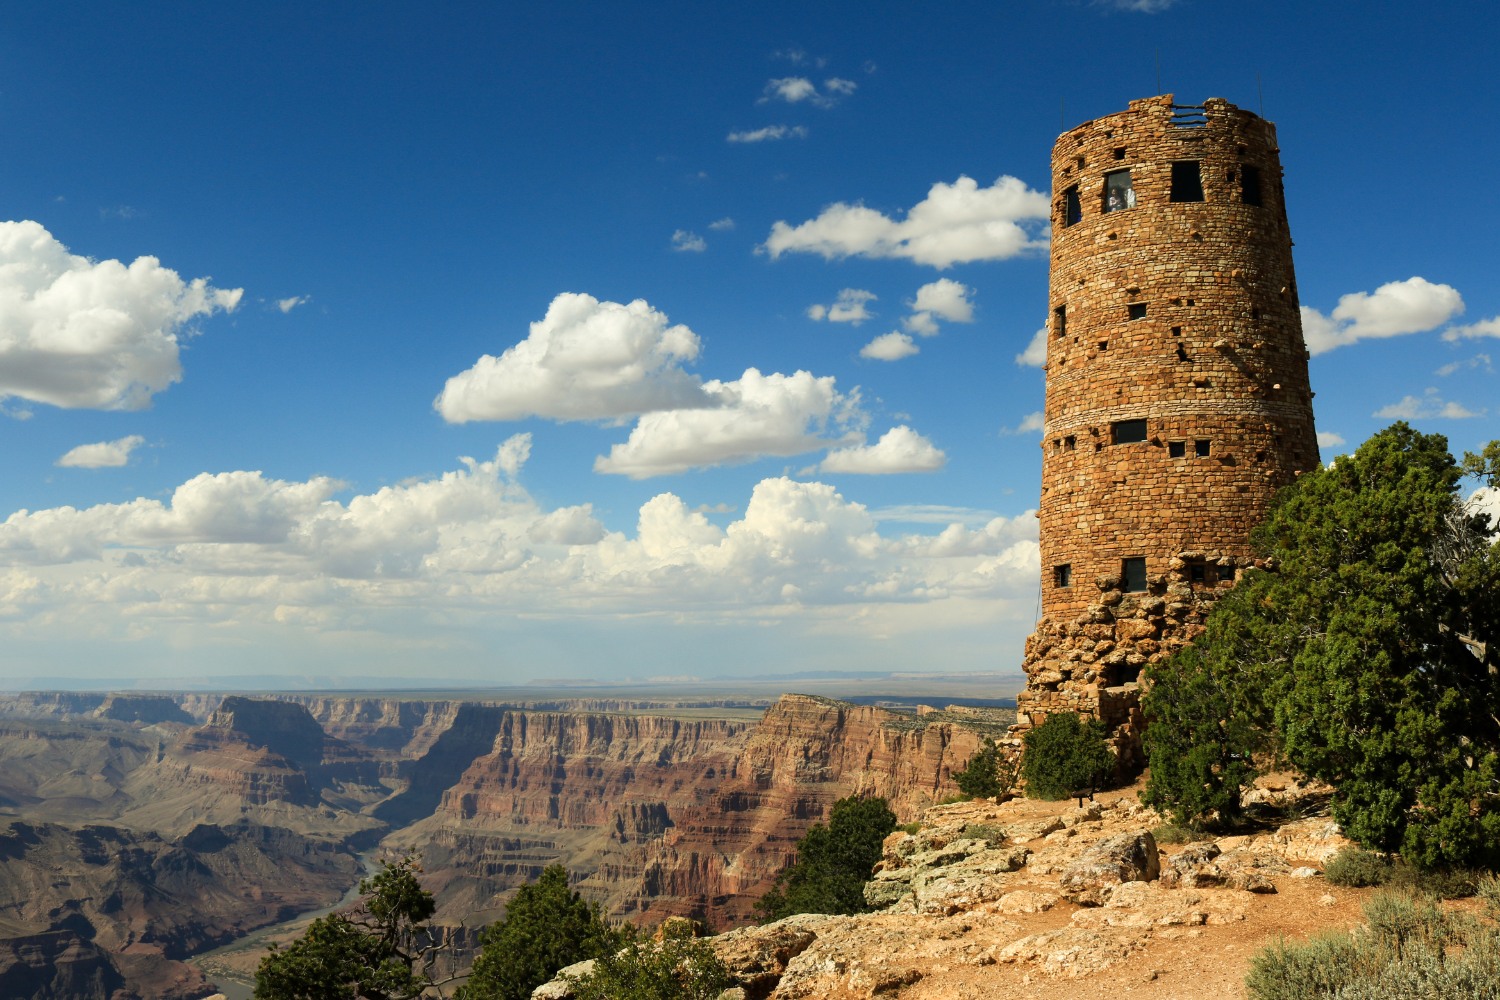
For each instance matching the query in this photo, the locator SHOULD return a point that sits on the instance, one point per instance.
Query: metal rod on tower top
(1158, 71)
(1261, 95)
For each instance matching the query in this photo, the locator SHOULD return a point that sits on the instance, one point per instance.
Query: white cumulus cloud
(955, 223)
(286, 305)
(584, 360)
(851, 306)
(1035, 355)
(797, 89)
(891, 346)
(1392, 310)
(1473, 331)
(1328, 439)
(688, 241)
(83, 334)
(942, 299)
(1032, 423)
(752, 416)
(1427, 406)
(899, 449)
(101, 455)
(769, 133)
(723, 225)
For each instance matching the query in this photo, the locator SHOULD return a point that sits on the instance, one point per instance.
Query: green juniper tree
(1369, 655)
(1063, 755)
(833, 862)
(989, 774)
(546, 927)
(381, 950)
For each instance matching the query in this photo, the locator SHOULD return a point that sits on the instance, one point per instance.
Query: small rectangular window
(1136, 310)
(1128, 431)
(1187, 181)
(1072, 207)
(1062, 576)
(1119, 193)
(1060, 321)
(1103, 345)
(1176, 331)
(1177, 449)
(1133, 574)
(1249, 185)
(1070, 443)
(1200, 448)
(1119, 152)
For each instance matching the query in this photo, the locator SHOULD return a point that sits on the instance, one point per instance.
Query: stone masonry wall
(1177, 398)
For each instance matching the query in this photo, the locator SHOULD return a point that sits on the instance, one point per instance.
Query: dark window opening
(1136, 310)
(1069, 443)
(1060, 321)
(1119, 152)
(1201, 572)
(1133, 574)
(1260, 456)
(1056, 444)
(1128, 431)
(1200, 448)
(1072, 207)
(1176, 449)
(1249, 184)
(1081, 163)
(1062, 576)
(1254, 313)
(1119, 193)
(1176, 331)
(1103, 345)
(1187, 181)
(1190, 302)
(1229, 176)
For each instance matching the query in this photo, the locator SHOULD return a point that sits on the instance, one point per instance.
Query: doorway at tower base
(1092, 664)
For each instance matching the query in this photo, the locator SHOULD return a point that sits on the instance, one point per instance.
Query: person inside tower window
(1119, 193)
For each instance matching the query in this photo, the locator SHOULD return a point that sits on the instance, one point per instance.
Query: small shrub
(1412, 948)
(1171, 833)
(1063, 755)
(949, 800)
(989, 774)
(984, 831)
(1444, 883)
(1488, 891)
(675, 969)
(1356, 868)
(910, 828)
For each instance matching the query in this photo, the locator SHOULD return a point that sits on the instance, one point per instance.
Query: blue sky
(374, 343)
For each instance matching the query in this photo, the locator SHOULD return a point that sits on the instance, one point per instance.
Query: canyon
(174, 814)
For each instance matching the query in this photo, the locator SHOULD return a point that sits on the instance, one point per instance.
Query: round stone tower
(1177, 391)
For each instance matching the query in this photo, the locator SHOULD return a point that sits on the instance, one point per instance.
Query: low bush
(989, 774)
(910, 828)
(1412, 948)
(984, 831)
(1356, 868)
(675, 969)
(1171, 833)
(1065, 755)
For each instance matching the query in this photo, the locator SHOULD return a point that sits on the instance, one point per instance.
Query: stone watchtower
(1177, 392)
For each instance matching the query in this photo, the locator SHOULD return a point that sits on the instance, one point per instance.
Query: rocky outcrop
(151, 709)
(983, 900)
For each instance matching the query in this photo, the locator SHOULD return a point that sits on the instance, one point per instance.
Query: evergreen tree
(988, 774)
(1064, 755)
(1371, 651)
(546, 927)
(382, 950)
(833, 862)
(674, 969)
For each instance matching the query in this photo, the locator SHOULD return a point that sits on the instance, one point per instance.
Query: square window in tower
(1187, 181)
(1200, 448)
(1070, 443)
(1176, 449)
(1119, 193)
(1136, 310)
(1062, 576)
(1128, 431)
(1072, 208)
(1133, 574)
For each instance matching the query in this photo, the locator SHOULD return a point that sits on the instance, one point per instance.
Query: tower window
(1176, 331)
(1062, 576)
(1070, 443)
(1060, 321)
(1136, 310)
(1103, 345)
(1201, 572)
(1249, 184)
(1119, 152)
(1119, 193)
(1187, 181)
(1072, 207)
(1133, 574)
(1177, 449)
(1200, 448)
(1128, 431)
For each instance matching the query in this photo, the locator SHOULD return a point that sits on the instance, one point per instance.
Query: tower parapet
(1177, 398)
